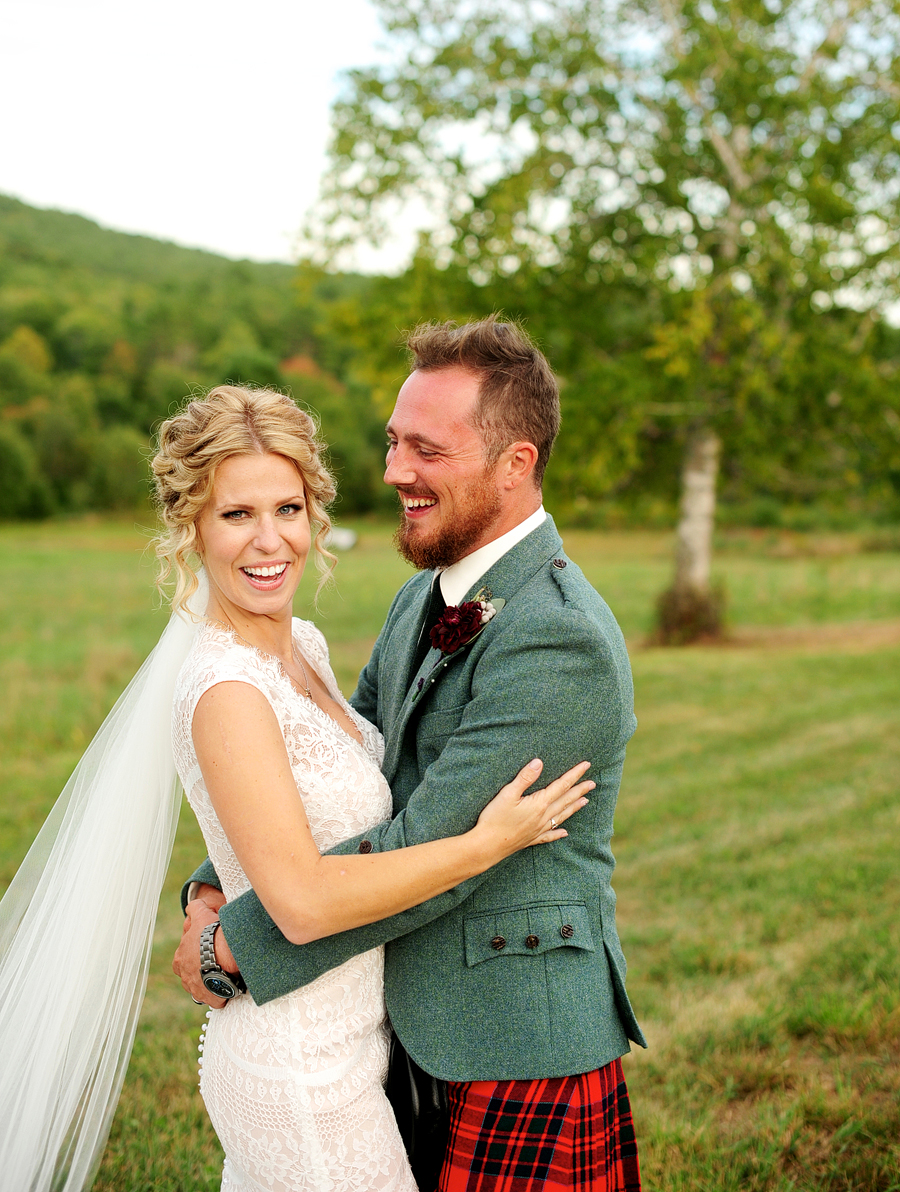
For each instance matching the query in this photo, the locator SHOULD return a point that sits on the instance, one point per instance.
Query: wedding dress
(294, 1087)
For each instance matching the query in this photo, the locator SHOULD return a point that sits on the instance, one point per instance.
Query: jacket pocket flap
(527, 930)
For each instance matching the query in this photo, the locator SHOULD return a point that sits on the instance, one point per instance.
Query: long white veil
(76, 927)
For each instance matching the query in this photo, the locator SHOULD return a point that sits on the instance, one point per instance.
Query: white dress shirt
(457, 579)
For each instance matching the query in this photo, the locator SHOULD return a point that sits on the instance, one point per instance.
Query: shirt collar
(457, 579)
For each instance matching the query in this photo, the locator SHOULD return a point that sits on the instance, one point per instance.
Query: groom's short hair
(518, 397)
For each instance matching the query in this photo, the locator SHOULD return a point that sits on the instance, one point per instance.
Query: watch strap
(208, 948)
(208, 962)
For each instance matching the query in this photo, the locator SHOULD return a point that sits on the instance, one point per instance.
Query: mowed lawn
(757, 841)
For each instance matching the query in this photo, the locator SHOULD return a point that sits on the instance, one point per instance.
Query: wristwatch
(213, 976)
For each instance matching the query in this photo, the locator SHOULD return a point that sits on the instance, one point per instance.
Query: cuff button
(531, 941)
(365, 846)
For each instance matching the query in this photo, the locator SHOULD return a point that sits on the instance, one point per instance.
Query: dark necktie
(436, 605)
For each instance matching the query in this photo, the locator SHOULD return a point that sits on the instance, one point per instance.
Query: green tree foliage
(694, 204)
(102, 335)
(115, 482)
(24, 363)
(23, 492)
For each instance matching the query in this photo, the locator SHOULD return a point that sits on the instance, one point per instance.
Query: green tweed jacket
(517, 973)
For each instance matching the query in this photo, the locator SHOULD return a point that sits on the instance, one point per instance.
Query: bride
(278, 768)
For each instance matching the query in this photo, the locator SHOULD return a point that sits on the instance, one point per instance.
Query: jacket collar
(521, 563)
(456, 580)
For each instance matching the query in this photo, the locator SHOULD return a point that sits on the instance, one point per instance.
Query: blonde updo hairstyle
(230, 420)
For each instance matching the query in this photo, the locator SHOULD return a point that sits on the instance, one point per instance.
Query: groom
(512, 985)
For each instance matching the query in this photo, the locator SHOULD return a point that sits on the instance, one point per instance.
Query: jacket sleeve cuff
(204, 876)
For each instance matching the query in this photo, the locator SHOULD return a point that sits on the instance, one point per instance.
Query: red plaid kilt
(565, 1134)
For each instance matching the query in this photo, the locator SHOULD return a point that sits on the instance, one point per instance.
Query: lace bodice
(340, 782)
(294, 1087)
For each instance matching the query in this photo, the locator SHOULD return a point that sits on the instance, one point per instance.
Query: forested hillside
(102, 334)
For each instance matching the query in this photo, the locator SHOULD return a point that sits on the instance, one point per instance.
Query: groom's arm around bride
(517, 974)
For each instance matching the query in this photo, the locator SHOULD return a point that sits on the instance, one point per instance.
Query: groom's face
(450, 502)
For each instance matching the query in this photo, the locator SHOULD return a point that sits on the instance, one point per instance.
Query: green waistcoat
(517, 973)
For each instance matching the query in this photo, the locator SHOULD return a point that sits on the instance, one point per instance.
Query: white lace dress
(294, 1087)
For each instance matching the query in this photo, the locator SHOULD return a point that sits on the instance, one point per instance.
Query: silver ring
(196, 1003)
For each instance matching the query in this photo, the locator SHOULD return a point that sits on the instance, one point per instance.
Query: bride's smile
(254, 535)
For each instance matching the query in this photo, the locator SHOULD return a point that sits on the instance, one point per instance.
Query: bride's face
(254, 535)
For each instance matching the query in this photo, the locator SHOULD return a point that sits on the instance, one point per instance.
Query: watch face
(219, 985)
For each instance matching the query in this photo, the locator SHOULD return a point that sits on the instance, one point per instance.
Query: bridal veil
(76, 928)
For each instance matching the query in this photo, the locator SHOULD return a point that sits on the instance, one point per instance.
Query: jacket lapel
(396, 665)
(503, 581)
(431, 670)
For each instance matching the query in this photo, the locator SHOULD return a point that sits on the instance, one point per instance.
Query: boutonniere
(460, 624)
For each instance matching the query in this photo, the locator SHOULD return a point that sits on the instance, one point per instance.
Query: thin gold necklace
(266, 654)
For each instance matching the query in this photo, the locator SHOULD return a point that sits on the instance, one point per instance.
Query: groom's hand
(186, 962)
(211, 895)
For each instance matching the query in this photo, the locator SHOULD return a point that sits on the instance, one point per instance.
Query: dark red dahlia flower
(457, 625)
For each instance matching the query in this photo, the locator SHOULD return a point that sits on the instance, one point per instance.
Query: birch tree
(733, 166)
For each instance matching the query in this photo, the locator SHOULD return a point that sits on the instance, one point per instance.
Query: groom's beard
(447, 544)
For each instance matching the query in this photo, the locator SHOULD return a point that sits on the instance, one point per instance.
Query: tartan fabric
(566, 1134)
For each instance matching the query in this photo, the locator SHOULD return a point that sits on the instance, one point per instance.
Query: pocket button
(498, 943)
(531, 941)
(567, 931)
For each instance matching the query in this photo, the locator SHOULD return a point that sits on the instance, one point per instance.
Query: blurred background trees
(102, 335)
(693, 207)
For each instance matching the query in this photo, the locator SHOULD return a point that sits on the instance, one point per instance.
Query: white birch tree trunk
(693, 555)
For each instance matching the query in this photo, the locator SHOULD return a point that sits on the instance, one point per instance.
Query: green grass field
(756, 839)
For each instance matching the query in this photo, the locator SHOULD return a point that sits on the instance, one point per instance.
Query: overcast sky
(196, 121)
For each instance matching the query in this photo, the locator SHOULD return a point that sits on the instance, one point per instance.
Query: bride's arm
(246, 769)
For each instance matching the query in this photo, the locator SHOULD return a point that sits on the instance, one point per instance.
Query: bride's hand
(513, 820)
